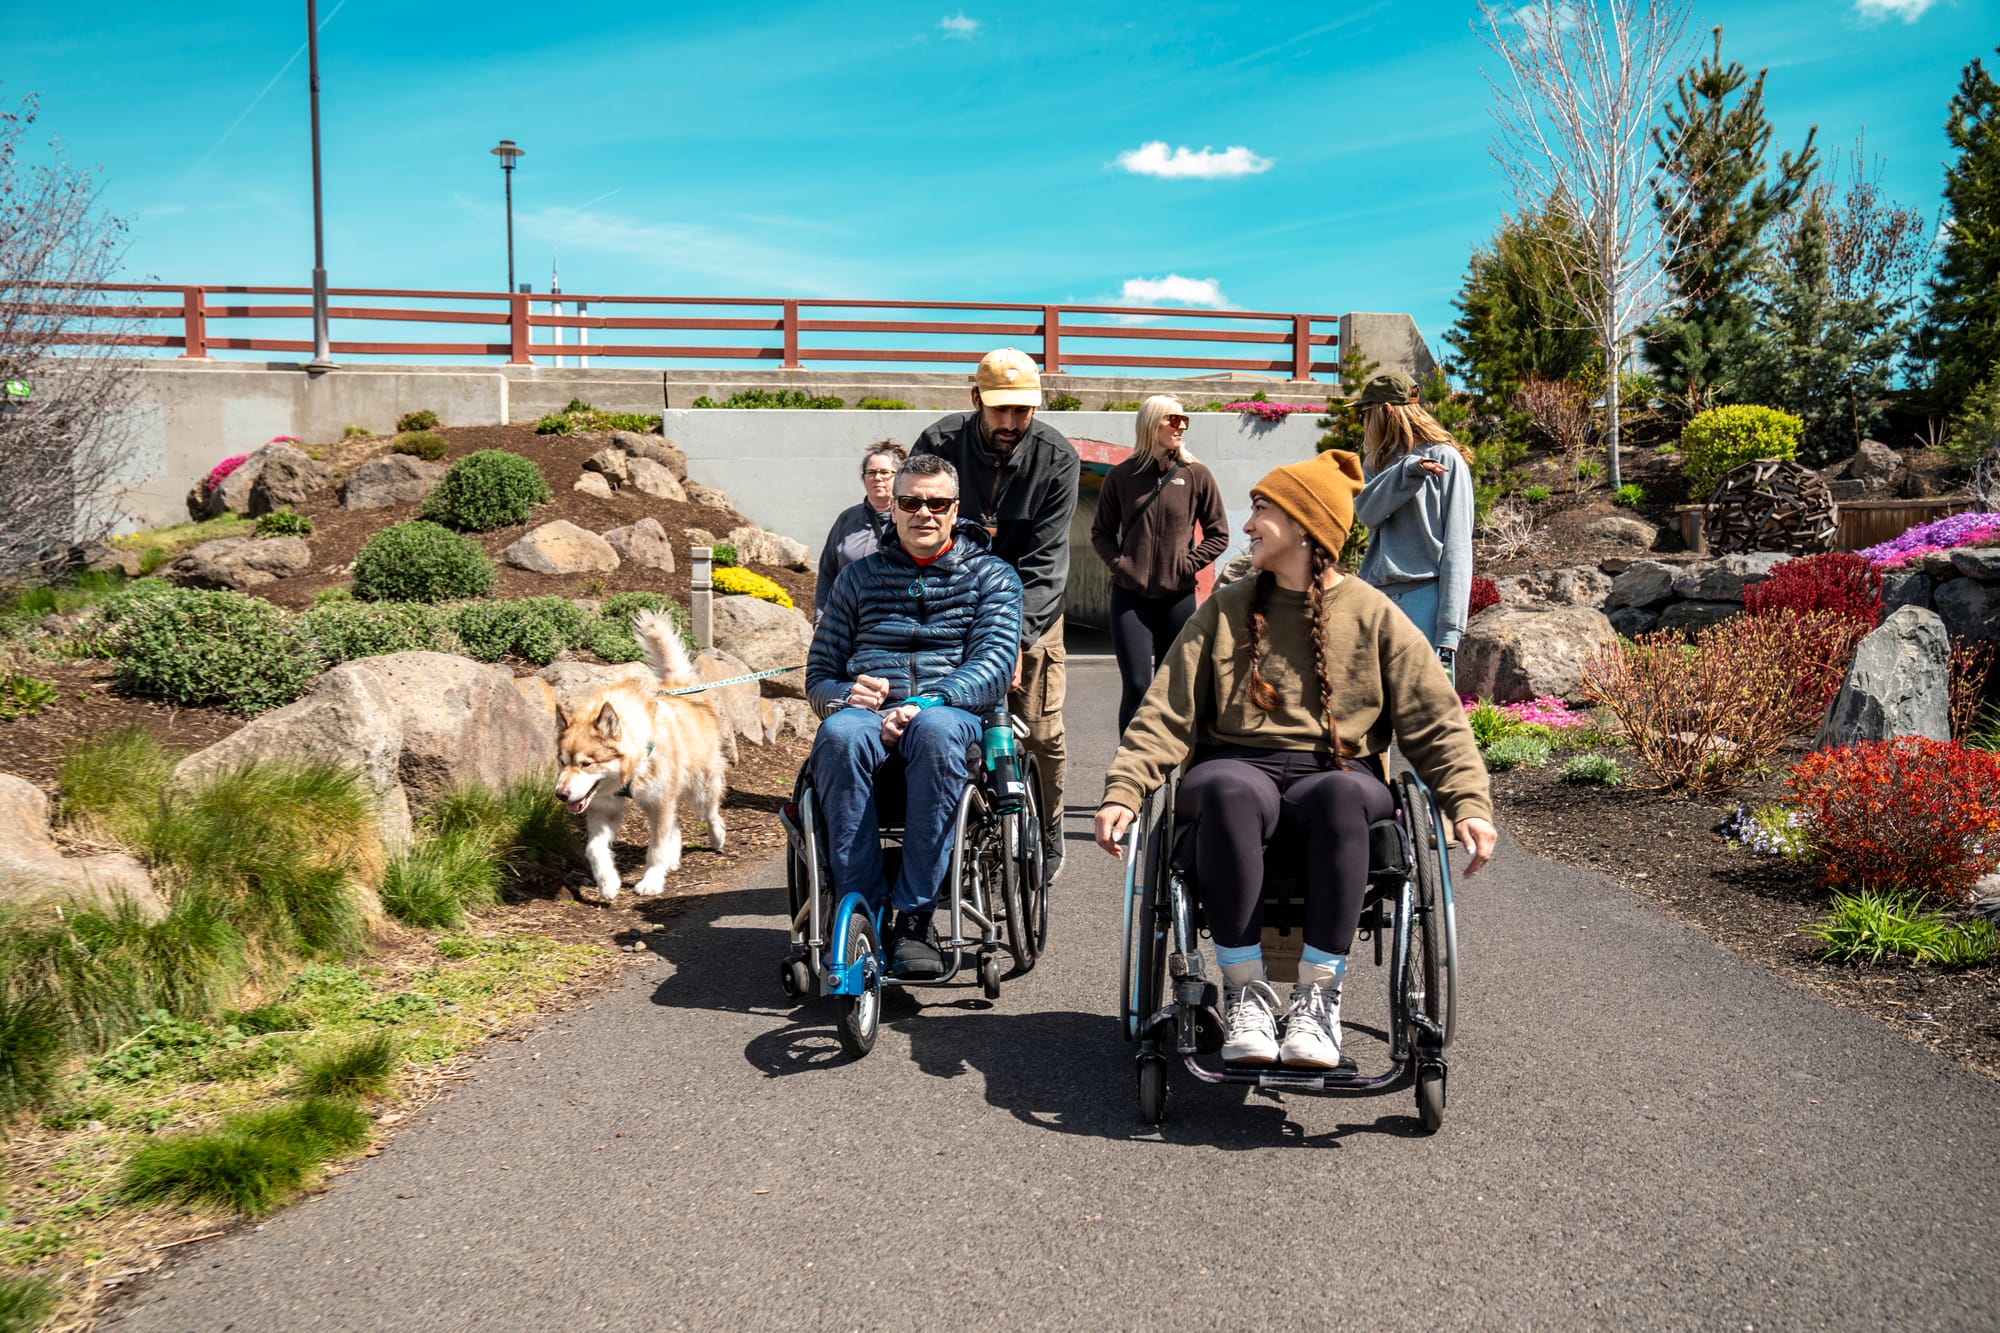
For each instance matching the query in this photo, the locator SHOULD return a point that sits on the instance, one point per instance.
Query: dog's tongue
(576, 807)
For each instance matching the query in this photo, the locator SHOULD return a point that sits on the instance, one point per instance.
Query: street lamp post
(507, 152)
(322, 348)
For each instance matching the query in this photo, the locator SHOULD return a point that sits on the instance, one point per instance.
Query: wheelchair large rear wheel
(1024, 896)
(859, 1017)
(1429, 977)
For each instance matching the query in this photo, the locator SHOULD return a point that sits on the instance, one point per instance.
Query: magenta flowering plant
(1548, 710)
(283, 439)
(220, 473)
(1268, 411)
(1944, 534)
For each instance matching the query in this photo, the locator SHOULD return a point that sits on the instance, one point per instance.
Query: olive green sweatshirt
(1385, 678)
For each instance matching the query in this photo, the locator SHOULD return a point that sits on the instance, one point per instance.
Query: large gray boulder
(644, 544)
(240, 562)
(572, 682)
(1546, 589)
(33, 870)
(1508, 656)
(611, 463)
(286, 478)
(1645, 583)
(1724, 580)
(347, 720)
(708, 497)
(1687, 616)
(765, 635)
(1623, 530)
(232, 496)
(562, 547)
(662, 451)
(390, 479)
(655, 479)
(1632, 621)
(1874, 465)
(1905, 587)
(1978, 562)
(460, 721)
(1971, 609)
(1899, 684)
(593, 483)
(754, 545)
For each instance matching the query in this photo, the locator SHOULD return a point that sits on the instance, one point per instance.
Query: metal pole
(322, 347)
(507, 169)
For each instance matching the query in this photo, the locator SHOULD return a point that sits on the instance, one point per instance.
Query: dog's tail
(666, 652)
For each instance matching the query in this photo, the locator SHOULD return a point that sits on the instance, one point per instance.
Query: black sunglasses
(937, 504)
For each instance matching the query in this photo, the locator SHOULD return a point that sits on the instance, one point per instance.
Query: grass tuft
(253, 1163)
(110, 782)
(25, 1303)
(1517, 751)
(1868, 927)
(436, 881)
(361, 1069)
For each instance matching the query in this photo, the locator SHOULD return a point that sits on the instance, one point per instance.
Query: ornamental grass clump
(284, 523)
(1867, 927)
(489, 489)
(253, 1163)
(419, 561)
(1912, 814)
(425, 444)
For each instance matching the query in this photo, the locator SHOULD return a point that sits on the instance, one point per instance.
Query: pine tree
(1716, 204)
(1821, 356)
(1342, 423)
(1516, 318)
(1961, 334)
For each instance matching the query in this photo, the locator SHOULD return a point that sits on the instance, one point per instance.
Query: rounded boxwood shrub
(1726, 437)
(421, 562)
(197, 648)
(284, 523)
(534, 628)
(488, 489)
(343, 631)
(422, 419)
(425, 444)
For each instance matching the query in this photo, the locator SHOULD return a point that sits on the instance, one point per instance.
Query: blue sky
(891, 150)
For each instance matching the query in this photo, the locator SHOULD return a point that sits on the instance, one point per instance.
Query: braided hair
(1263, 694)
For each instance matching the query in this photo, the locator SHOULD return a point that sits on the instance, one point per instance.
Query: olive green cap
(1391, 386)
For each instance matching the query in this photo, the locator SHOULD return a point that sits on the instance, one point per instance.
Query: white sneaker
(1312, 1027)
(1250, 1024)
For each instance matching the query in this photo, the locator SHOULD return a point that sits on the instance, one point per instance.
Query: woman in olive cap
(1283, 693)
(1418, 508)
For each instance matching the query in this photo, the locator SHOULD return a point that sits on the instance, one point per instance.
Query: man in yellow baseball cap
(1018, 478)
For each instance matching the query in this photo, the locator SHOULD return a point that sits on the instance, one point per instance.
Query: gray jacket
(855, 533)
(1420, 529)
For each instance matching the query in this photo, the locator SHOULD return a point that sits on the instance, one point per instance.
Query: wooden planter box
(1857, 523)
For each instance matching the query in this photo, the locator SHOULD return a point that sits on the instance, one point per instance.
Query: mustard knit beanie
(1318, 494)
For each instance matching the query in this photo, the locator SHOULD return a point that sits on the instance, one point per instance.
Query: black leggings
(1142, 629)
(1241, 798)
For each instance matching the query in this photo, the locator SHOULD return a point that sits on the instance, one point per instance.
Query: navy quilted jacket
(950, 629)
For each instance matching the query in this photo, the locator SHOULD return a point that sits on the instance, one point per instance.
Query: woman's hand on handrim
(1112, 823)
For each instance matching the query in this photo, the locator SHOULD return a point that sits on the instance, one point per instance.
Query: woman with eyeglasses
(1418, 508)
(1144, 532)
(858, 530)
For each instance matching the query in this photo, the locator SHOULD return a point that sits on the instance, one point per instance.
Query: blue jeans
(1418, 601)
(846, 757)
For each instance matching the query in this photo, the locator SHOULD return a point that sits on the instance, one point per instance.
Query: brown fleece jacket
(1156, 555)
(1386, 683)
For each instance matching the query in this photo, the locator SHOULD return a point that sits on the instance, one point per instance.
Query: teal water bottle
(1001, 751)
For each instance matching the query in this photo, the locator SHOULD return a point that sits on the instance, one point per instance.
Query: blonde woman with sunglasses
(1145, 532)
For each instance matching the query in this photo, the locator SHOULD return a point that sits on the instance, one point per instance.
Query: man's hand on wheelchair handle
(868, 692)
(1479, 837)
(1113, 822)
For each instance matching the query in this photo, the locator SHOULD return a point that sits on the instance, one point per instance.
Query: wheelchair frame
(996, 884)
(1170, 1006)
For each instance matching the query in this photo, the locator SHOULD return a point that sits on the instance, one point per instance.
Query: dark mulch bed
(87, 704)
(338, 534)
(1666, 850)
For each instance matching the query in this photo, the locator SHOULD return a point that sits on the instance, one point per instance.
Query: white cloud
(1153, 159)
(960, 27)
(1907, 10)
(1175, 290)
(679, 252)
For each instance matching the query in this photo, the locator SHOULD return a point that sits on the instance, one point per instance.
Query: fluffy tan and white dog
(657, 749)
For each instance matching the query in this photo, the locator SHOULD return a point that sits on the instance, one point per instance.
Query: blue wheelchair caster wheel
(859, 1017)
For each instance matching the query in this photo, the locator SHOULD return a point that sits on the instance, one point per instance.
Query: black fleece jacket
(1029, 497)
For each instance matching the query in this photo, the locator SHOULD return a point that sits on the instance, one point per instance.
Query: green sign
(19, 389)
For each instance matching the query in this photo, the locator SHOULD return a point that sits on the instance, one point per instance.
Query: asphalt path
(1644, 1131)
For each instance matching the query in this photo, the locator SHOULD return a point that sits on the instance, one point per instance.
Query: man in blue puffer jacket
(916, 641)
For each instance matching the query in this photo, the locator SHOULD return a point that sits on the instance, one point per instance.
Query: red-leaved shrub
(1835, 581)
(1905, 815)
(1485, 593)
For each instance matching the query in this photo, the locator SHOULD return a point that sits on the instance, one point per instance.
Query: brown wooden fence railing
(201, 320)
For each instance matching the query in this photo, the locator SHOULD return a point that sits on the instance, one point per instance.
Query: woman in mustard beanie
(1282, 695)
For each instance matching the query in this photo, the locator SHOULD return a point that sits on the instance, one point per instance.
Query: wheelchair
(1170, 1006)
(995, 888)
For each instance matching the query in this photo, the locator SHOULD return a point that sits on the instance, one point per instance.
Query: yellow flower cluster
(733, 580)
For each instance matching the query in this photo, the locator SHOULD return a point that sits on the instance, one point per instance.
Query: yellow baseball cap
(1008, 378)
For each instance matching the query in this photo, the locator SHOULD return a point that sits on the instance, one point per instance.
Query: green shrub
(555, 423)
(1866, 927)
(793, 399)
(1975, 431)
(425, 444)
(252, 1163)
(1489, 722)
(434, 882)
(419, 561)
(1726, 437)
(723, 555)
(1591, 770)
(609, 632)
(424, 419)
(1631, 495)
(1589, 469)
(343, 631)
(360, 1069)
(489, 489)
(581, 416)
(87, 588)
(1518, 751)
(1132, 406)
(882, 405)
(284, 523)
(351, 431)
(534, 628)
(22, 695)
(198, 648)
(1064, 402)
(1535, 494)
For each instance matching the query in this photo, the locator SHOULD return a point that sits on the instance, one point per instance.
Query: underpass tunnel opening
(1087, 594)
